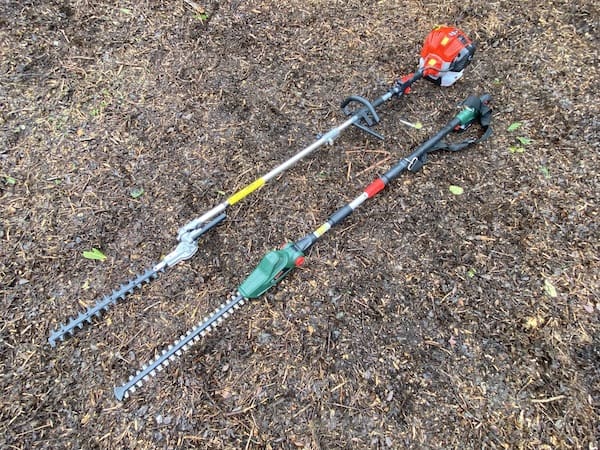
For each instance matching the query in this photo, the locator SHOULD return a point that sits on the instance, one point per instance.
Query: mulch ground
(427, 320)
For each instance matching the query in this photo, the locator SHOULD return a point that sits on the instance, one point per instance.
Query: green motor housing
(474, 108)
(271, 270)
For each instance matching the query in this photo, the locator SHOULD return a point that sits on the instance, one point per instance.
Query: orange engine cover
(445, 53)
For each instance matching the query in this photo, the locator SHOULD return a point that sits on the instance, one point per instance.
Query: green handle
(467, 115)
(474, 107)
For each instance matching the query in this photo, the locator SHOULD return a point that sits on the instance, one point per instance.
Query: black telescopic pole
(413, 162)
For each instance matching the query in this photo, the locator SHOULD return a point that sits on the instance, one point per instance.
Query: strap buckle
(417, 162)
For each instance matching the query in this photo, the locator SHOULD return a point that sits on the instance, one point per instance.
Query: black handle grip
(371, 118)
(476, 102)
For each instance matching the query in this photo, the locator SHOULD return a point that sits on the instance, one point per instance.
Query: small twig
(416, 125)
(547, 400)
(436, 344)
(385, 152)
(373, 166)
(301, 411)
(249, 438)
(41, 427)
(195, 6)
(240, 411)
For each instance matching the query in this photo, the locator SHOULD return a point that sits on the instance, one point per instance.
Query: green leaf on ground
(545, 171)
(516, 149)
(471, 272)
(94, 254)
(10, 180)
(524, 140)
(137, 192)
(550, 289)
(456, 190)
(514, 126)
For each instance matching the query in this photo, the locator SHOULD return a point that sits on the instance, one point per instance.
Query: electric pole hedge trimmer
(279, 263)
(445, 54)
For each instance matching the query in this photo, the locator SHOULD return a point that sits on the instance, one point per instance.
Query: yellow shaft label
(322, 230)
(243, 193)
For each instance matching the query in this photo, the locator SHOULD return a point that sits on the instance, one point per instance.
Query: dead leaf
(531, 323)
(452, 341)
(550, 289)
(589, 308)
(196, 7)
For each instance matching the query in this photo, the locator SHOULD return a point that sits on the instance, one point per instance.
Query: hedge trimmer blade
(184, 250)
(100, 307)
(175, 350)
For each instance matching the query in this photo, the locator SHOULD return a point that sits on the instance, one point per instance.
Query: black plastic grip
(372, 119)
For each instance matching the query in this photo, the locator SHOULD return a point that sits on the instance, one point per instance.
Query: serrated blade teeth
(101, 306)
(179, 347)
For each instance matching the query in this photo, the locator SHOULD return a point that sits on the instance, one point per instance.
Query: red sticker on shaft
(375, 187)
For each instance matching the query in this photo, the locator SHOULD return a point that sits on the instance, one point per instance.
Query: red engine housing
(445, 54)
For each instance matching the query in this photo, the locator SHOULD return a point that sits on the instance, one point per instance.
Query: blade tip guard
(119, 392)
(54, 337)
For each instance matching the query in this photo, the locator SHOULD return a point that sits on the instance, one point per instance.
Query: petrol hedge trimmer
(277, 264)
(445, 54)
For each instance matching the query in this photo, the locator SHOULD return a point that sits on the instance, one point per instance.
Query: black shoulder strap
(485, 122)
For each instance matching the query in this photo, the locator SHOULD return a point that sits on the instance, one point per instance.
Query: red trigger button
(299, 261)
